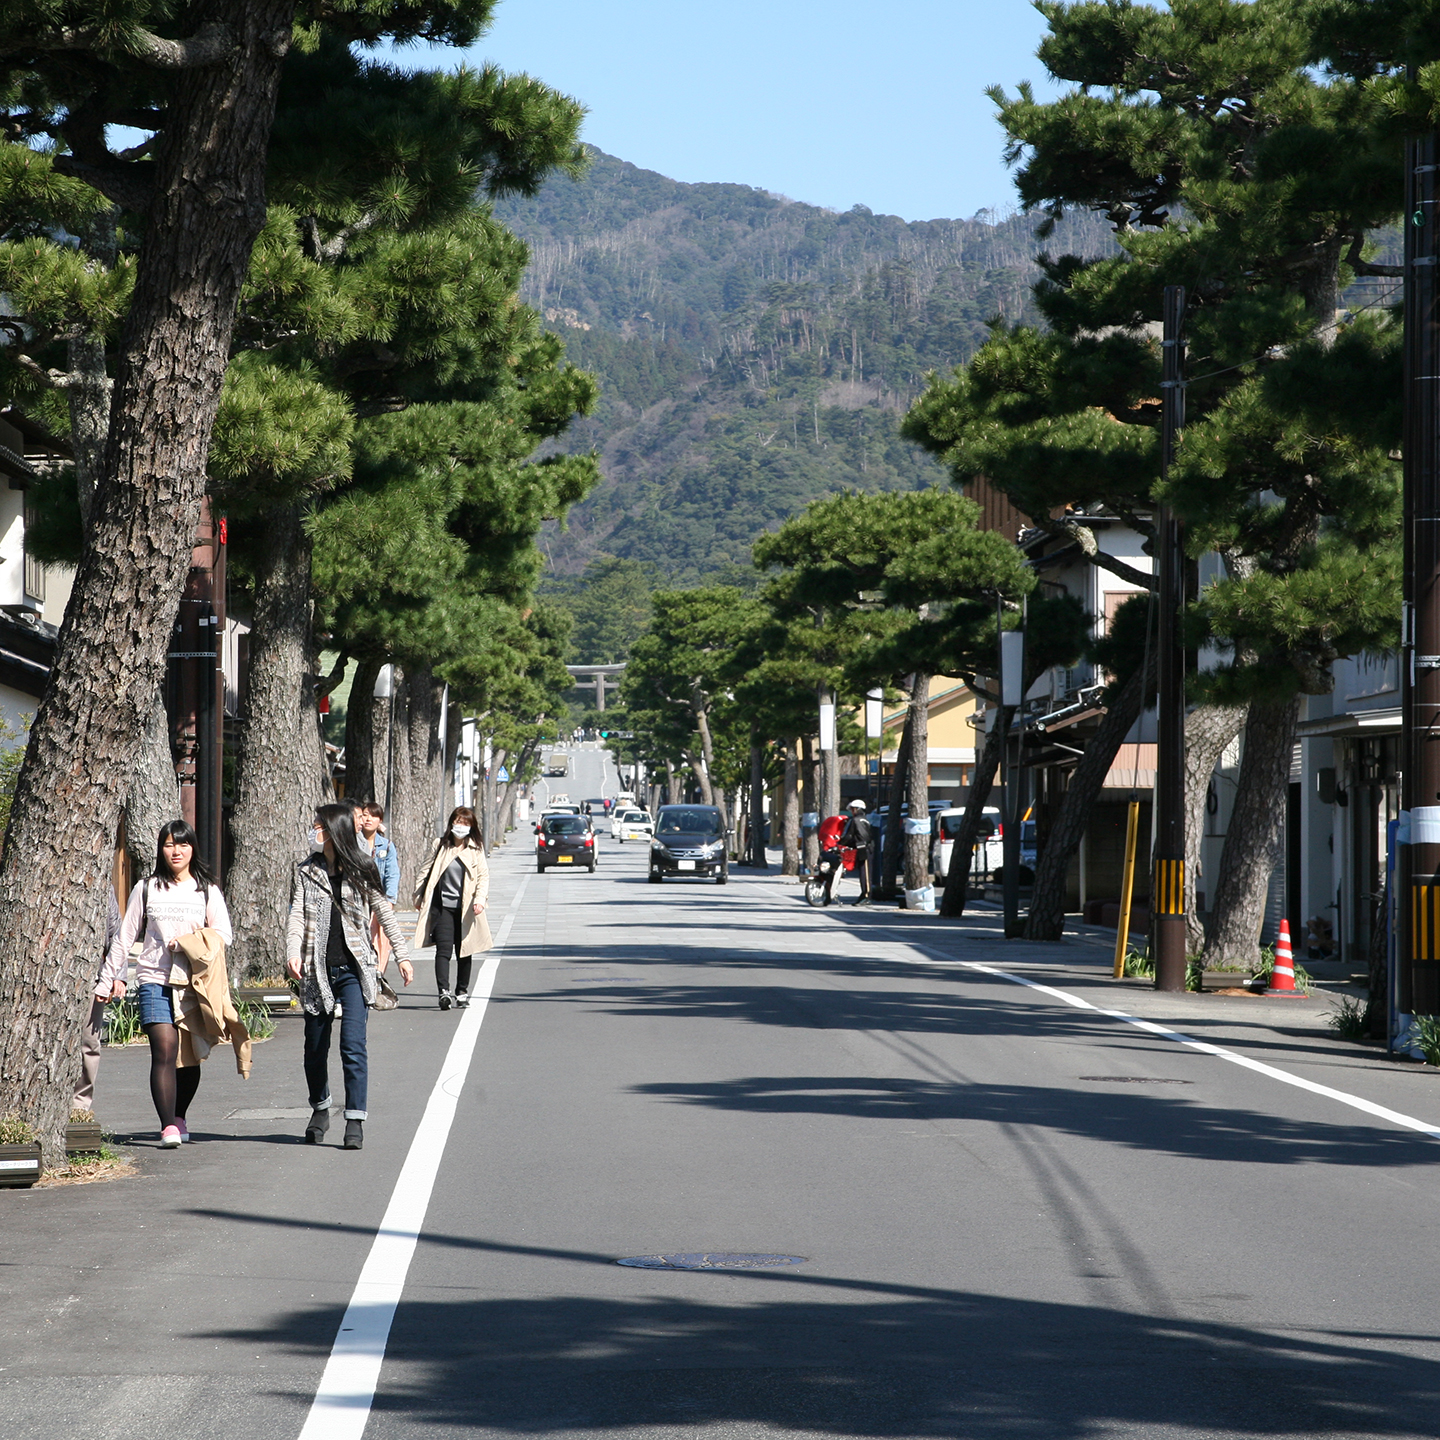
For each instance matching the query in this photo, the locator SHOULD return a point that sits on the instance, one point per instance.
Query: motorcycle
(832, 864)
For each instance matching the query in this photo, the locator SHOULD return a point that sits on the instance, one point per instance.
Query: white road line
(1382, 1112)
(341, 1406)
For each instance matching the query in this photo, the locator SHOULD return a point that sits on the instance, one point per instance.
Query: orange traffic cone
(1282, 977)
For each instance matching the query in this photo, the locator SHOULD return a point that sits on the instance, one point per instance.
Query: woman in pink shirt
(178, 899)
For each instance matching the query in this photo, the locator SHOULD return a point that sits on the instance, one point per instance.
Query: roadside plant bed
(90, 1169)
(122, 1019)
(278, 998)
(83, 1137)
(19, 1154)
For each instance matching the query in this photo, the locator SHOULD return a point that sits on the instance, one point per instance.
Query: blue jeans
(345, 986)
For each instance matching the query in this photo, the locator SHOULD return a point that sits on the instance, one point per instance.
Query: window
(34, 570)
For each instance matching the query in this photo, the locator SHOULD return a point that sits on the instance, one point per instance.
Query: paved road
(592, 776)
(1019, 1217)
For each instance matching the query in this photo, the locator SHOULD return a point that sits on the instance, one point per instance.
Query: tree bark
(277, 778)
(417, 768)
(917, 784)
(360, 732)
(1046, 920)
(758, 858)
(809, 801)
(154, 796)
(1255, 835)
(890, 856)
(790, 811)
(1208, 730)
(208, 205)
(88, 393)
(962, 855)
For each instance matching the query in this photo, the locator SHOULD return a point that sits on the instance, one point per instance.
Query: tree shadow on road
(1115, 1115)
(804, 1353)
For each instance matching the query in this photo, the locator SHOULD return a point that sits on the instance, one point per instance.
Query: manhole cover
(713, 1260)
(1134, 1080)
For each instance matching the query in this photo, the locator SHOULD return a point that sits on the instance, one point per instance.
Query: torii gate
(597, 678)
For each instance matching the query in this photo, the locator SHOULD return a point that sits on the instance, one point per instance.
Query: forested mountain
(754, 352)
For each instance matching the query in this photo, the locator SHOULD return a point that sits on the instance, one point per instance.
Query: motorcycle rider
(829, 837)
(857, 837)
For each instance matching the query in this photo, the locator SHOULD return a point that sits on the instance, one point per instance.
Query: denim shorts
(155, 1006)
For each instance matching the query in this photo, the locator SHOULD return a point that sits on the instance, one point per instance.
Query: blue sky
(838, 104)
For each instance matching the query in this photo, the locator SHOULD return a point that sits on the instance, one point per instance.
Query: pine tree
(904, 586)
(1225, 163)
(206, 93)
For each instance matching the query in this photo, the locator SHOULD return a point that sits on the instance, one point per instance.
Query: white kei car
(632, 825)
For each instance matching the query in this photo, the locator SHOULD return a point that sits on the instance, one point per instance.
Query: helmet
(856, 805)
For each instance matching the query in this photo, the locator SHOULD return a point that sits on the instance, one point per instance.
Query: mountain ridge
(755, 352)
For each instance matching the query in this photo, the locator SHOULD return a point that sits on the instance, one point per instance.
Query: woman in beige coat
(451, 893)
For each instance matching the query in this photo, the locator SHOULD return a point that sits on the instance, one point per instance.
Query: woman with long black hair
(336, 893)
(178, 899)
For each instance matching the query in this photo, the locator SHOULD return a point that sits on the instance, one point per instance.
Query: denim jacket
(389, 864)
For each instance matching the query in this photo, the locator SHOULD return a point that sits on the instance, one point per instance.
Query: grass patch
(1425, 1037)
(1349, 1018)
(1139, 965)
(15, 1131)
(257, 1019)
(122, 1022)
(106, 1163)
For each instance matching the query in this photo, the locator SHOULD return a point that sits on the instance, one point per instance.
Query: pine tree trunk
(809, 801)
(1046, 920)
(894, 837)
(1208, 730)
(360, 733)
(277, 780)
(417, 768)
(917, 784)
(982, 780)
(790, 811)
(88, 394)
(154, 795)
(758, 858)
(1255, 835)
(208, 206)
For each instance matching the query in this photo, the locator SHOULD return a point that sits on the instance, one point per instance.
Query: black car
(566, 840)
(689, 840)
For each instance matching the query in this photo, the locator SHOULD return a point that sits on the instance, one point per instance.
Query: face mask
(317, 838)
(459, 831)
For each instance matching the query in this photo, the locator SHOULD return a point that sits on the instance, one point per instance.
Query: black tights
(449, 926)
(171, 1089)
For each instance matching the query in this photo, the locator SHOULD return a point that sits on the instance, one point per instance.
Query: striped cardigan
(308, 933)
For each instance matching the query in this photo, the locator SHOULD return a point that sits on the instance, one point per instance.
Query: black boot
(319, 1124)
(354, 1134)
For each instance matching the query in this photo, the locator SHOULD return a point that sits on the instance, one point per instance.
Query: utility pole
(1418, 948)
(1012, 702)
(1167, 891)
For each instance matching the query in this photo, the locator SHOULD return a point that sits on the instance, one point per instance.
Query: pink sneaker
(171, 1138)
(184, 1130)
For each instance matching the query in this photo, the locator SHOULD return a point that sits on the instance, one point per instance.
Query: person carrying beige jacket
(451, 893)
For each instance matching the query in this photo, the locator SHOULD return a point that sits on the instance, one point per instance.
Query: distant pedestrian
(335, 893)
(857, 837)
(180, 898)
(451, 893)
(374, 842)
(109, 986)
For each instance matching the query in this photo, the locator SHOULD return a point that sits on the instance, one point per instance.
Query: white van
(989, 849)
